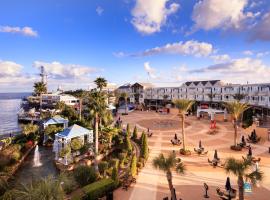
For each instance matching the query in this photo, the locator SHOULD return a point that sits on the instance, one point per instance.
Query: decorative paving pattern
(152, 184)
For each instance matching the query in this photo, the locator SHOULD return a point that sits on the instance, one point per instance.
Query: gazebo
(56, 120)
(53, 121)
(64, 138)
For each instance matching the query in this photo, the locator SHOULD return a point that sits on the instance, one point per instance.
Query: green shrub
(128, 145)
(85, 175)
(69, 183)
(135, 133)
(114, 163)
(103, 166)
(128, 131)
(15, 156)
(122, 158)
(65, 152)
(115, 176)
(144, 147)
(76, 144)
(133, 166)
(98, 189)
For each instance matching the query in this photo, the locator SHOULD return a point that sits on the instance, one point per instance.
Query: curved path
(152, 184)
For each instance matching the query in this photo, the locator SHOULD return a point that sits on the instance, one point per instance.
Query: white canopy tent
(211, 112)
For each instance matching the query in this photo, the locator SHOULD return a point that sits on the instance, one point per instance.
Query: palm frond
(183, 105)
(255, 176)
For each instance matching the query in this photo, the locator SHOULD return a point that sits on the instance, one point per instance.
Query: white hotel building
(256, 95)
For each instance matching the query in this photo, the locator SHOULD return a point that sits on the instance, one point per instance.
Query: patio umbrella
(175, 136)
(243, 139)
(249, 151)
(200, 144)
(228, 184)
(216, 155)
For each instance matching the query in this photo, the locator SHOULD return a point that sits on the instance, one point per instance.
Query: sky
(163, 42)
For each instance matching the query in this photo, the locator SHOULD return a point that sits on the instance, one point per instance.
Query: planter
(236, 148)
(185, 152)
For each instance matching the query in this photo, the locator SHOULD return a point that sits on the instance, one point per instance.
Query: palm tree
(40, 88)
(109, 134)
(101, 83)
(183, 106)
(124, 95)
(236, 109)
(97, 107)
(29, 128)
(242, 169)
(167, 164)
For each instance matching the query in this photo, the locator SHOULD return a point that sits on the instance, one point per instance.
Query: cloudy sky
(165, 42)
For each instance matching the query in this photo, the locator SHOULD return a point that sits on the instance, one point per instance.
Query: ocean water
(9, 106)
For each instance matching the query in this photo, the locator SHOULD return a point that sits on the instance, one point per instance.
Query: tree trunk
(169, 178)
(96, 143)
(96, 134)
(183, 131)
(235, 133)
(241, 187)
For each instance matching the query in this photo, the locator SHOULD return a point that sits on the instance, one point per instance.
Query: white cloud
(58, 70)
(212, 14)
(9, 69)
(26, 31)
(149, 16)
(99, 10)
(248, 53)
(261, 30)
(237, 71)
(190, 47)
(150, 71)
(221, 58)
(262, 54)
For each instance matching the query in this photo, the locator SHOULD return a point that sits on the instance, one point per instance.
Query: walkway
(152, 184)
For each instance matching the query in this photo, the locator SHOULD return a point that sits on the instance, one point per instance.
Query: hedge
(98, 189)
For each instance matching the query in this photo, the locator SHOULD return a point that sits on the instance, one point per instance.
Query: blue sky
(165, 42)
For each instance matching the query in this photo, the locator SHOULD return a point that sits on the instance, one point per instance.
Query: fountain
(37, 162)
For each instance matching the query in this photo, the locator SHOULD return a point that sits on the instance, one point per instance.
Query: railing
(9, 133)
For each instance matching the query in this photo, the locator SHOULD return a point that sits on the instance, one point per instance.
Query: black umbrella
(216, 155)
(249, 151)
(175, 136)
(243, 139)
(228, 184)
(200, 144)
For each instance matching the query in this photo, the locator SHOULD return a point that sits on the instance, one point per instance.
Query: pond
(38, 164)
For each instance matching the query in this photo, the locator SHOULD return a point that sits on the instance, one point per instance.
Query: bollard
(269, 149)
(206, 190)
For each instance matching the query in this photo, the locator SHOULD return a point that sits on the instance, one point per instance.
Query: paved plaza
(152, 184)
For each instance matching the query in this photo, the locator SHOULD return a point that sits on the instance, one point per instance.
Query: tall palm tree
(183, 106)
(97, 107)
(40, 88)
(101, 83)
(124, 95)
(242, 169)
(167, 164)
(236, 109)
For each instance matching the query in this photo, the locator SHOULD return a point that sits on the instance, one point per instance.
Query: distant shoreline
(14, 95)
